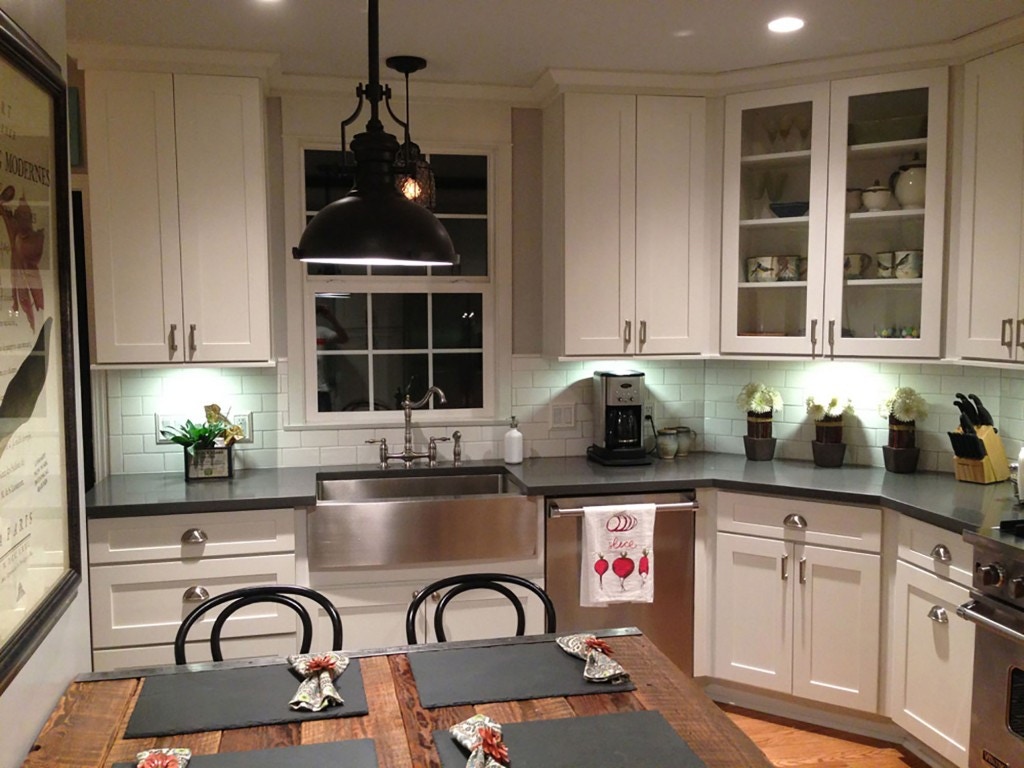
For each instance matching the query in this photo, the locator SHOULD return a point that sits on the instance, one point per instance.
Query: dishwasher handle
(682, 506)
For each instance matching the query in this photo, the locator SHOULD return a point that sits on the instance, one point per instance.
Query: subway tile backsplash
(700, 394)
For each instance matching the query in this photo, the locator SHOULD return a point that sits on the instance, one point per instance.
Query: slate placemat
(621, 740)
(233, 698)
(357, 753)
(501, 673)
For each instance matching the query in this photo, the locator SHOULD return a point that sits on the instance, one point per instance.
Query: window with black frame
(381, 332)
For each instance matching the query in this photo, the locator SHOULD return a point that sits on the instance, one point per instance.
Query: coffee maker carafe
(618, 419)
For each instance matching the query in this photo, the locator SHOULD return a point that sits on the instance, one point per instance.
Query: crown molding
(140, 58)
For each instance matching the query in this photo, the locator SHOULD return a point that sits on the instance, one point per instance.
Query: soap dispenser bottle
(513, 444)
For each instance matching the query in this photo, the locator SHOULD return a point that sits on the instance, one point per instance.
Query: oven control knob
(991, 575)
(1017, 587)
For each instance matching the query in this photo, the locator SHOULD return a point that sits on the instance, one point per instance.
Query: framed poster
(40, 546)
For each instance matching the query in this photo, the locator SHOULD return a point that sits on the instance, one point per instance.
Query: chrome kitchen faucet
(408, 455)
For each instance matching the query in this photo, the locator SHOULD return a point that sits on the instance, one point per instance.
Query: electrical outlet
(164, 420)
(243, 420)
(563, 416)
(648, 410)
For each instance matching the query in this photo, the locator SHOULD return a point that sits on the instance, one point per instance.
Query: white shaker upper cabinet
(990, 306)
(623, 225)
(178, 213)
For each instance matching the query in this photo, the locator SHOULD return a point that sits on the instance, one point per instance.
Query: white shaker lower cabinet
(178, 214)
(147, 573)
(794, 612)
(933, 648)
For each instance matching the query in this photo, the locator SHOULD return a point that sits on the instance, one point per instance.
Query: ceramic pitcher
(908, 184)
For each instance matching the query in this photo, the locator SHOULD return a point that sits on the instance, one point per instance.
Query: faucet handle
(432, 449)
(383, 450)
(457, 450)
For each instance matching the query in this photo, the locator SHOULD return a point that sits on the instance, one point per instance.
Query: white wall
(28, 701)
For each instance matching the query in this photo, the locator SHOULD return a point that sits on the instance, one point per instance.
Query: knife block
(992, 468)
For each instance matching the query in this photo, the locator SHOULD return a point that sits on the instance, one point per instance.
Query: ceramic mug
(787, 268)
(907, 264)
(876, 198)
(856, 265)
(886, 264)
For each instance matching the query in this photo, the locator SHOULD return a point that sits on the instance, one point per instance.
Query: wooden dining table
(87, 727)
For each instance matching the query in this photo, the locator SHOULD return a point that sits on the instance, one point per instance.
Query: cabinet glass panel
(883, 238)
(775, 210)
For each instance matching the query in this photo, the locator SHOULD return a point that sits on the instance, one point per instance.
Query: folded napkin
(319, 671)
(617, 555)
(163, 758)
(600, 668)
(481, 737)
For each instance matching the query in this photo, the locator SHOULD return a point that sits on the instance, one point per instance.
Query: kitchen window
(376, 333)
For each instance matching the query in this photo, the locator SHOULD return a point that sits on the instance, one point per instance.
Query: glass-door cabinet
(773, 238)
(833, 220)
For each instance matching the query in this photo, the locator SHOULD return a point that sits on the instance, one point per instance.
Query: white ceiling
(511, 42)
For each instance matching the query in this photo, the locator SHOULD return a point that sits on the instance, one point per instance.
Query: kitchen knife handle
(832, 339)
(1020, 334)
(814, 335)
(1006, 334)
(192, 340)
(627, 332)
(643, 333)
(174, 342)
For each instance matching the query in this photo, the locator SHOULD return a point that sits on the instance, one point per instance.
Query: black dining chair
(282, 594)
(456, 585)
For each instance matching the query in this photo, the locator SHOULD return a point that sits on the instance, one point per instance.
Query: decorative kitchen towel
(617, 558)
(481, 737)
(601, 667)
(318, 671)
(163, 758)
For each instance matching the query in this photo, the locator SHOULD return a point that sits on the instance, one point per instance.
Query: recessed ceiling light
(786, 24)
(683, 33)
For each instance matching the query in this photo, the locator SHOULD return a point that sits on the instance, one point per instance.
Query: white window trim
(302, 411)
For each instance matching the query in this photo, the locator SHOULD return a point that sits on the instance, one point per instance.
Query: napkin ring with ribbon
(481, 737)
(163, 758)
(318, 671)
(600, 667)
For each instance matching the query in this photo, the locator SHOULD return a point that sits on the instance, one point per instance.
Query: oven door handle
(966, 611)
(554, 510)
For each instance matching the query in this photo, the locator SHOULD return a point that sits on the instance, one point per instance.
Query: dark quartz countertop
(936, 498)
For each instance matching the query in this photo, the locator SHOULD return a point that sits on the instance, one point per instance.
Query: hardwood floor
(787, 744)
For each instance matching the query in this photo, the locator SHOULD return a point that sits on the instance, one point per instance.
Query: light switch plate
(563, 415)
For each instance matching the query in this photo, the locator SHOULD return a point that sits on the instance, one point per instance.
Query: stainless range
(997, 608)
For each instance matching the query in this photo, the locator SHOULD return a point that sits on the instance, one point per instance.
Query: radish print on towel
(645, 565)
(601, 568)
(623, 566)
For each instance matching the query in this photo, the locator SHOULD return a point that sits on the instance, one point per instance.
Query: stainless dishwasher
(668, 621)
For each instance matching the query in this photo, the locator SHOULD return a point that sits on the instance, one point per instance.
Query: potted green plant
(902, 409)
(827, 412)
(207, 447)
(759, 401)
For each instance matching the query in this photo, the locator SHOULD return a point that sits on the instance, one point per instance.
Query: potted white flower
(827, 412)
(760, 402)
(902, 409)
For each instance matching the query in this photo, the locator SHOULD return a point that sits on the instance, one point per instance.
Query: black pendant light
(417, 180)
(374, 223)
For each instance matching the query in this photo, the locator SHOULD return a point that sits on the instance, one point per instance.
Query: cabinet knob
(795, 521)
(196, 594)
(938, 614)
(194, 536)
(941, 553)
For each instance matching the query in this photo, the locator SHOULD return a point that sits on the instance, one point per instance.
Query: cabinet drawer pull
(785, 567)
(1006, 334)
(1020, 335)
(803, 570)
(173, 344)
(941, 553)
(814, 335)
(194, 536)
(627, 332)
(196, 594)
(832, 339)
(938, 615)
(192, 340)
(794, 521)
(643, 333)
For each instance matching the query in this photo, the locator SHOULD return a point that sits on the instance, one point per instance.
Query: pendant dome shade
(376, 226)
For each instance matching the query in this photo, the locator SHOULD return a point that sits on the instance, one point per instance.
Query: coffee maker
(618, 419)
